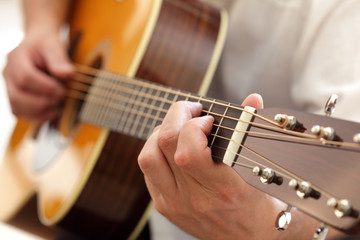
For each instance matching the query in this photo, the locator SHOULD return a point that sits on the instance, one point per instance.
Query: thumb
(57, 61)
(254, 100)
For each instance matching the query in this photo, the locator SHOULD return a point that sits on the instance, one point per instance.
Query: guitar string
(84, 89)
(146, 115)
(286, 174)
(141, 114)
(95, 73)
(283, 172)
(152, 107)
(308, 137)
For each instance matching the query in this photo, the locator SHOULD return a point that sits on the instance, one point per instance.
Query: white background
(10, 35)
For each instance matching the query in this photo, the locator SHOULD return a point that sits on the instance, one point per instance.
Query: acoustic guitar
(81, 171)
(88, 182)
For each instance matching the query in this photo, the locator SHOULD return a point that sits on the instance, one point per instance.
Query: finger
(178, 114)
(155, 167)
(193, 143)
(39, 82)
(58, 62)
(31, 78)
(33, 107)
(194, 156)
(254, 100)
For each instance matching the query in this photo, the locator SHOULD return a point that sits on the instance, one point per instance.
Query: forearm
(45, 15)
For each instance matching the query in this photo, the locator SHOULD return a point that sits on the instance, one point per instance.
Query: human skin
(209, 200)
(37, 68)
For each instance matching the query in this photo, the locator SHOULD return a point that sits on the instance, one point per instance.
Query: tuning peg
(321, 232)
(283, 219)
(327, 133)
(304, 189)
(267, 175)
(330, 105)
(289, 122)
(356, 138)
(342, 208)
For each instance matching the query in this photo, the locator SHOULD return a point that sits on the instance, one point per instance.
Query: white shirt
(295, 53)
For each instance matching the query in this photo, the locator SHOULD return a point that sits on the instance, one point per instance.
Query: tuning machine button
(330, 105)
(356, 138)
(267, 175)
(304, 189)
(327, 133)
(321, 232)
(283, 219)
(342, 208)
(289, 122)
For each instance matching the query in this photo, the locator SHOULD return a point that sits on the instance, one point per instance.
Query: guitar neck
(135, 107)
(242, 138)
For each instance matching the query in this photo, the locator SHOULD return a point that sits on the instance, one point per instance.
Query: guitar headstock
(309, 161)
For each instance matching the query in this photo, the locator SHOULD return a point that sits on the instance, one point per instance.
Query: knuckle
(198, 206)
(144, 160)
(183, 158)
(159, 206)
(21, 81)
(177, 105)
(167, 137)
(14, 105)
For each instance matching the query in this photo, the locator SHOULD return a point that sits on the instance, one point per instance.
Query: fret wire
(217, 129)
(162, 88)
(162, 103)
(223, 126)
(125, 114)
(171, 90)
(106, 100)
(101, 92)
(118, 97)
(138, 118)
(251, 132)
(147, 119)
(296, 136)
(77, 95)
(158, 112)
(123, 108)
(100, 103)
(129, 117)
(208, 112)
(104, 109)
(210, 108)
(205, 100)
(295, 133)
(110, 114)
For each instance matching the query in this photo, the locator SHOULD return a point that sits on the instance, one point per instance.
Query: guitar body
(87, 180)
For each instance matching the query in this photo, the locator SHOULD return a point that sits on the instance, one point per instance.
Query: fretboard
(135, 107)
